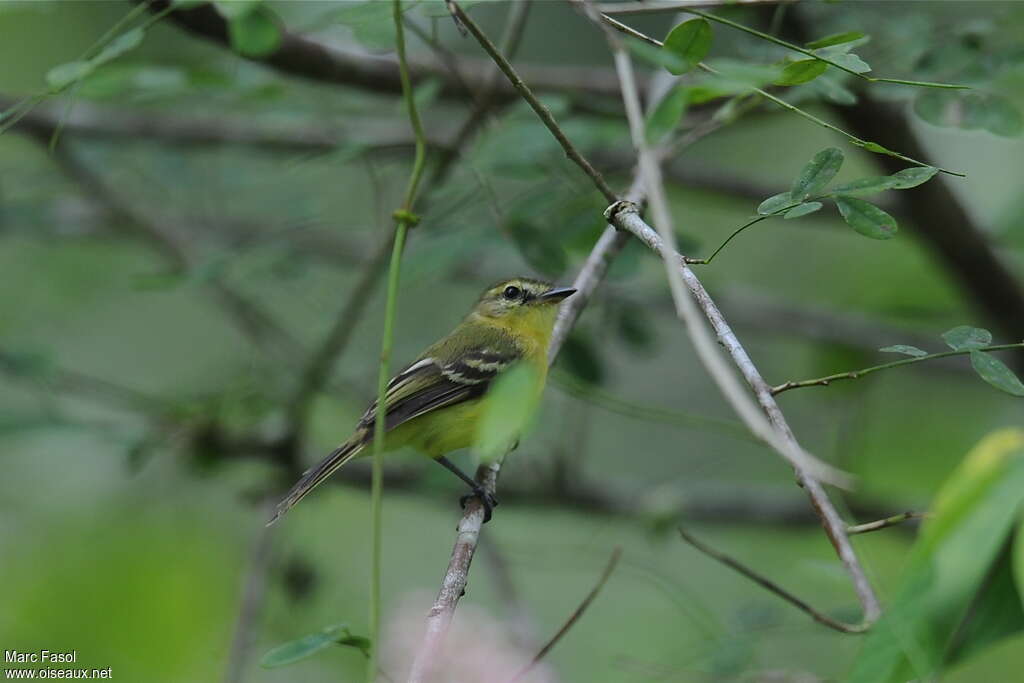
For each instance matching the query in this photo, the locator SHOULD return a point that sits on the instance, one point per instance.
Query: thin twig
(541, 110)
(856, 374)
(868, 527)
(613, 561)
(771, 586)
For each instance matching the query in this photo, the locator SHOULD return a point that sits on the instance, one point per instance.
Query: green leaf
(307, 646)
(851, 62)
(776, 203)
(60, 77)
(866, 218)
(371, 22)
(904, 349)
(802, 210)
(690, 41)
(801, 71)
(129, 40)
(913, 176)
(995, 612)
(818, 173)
(995, 372)
(254, 34)
(876, 148)
(507, 410)
(1018, 560)
(657, 56)
(965, 337)
(862, 187)
(666, 115)
(835, 39)
(957, 549)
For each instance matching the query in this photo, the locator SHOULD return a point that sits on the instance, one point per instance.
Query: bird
(434, 404)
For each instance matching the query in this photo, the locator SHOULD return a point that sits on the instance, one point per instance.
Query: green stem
(810, 53)
(869, 146)
(404, 219)
(855, 374)
(860, 142)
(736, 232)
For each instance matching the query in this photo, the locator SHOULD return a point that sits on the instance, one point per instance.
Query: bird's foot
(487, 500)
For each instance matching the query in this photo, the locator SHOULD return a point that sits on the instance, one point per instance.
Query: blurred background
(192, 245)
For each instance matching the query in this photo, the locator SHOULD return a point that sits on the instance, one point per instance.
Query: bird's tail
(312, 477)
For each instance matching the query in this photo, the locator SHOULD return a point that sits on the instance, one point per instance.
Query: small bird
(434, 403)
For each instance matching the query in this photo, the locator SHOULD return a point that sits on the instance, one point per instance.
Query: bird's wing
(435, 382)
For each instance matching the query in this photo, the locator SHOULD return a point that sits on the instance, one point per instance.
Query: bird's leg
(488, 501)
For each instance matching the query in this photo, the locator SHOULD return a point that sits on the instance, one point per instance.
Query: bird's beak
(556, 295)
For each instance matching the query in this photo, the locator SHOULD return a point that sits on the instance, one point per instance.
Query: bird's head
(521, 299)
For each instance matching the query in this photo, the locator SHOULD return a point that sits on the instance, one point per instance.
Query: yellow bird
(434, 403)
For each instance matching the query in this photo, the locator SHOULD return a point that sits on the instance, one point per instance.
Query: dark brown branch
(771, 586)
(306, 58)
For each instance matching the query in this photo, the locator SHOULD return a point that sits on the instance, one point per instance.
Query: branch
(453, 586)
(856, 374)
(613, 562)
(535, 104)
(833, 524)
(307, 58)
(770, 585)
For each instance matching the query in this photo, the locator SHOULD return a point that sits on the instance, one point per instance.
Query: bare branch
(453, 585)
(773, 587)
(624, 216)
(613, 561)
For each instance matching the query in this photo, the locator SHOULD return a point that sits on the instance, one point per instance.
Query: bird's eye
(512, 292)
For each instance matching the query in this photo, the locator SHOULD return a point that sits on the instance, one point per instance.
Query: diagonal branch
(613, 562)
(627, 218)
(772, 587)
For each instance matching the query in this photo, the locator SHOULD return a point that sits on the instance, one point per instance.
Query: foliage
(956, 595)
